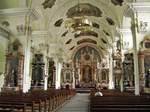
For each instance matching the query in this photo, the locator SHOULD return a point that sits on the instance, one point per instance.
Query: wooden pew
(37, 100)
(118, 102)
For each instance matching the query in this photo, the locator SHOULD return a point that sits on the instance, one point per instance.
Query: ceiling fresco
(84, 9)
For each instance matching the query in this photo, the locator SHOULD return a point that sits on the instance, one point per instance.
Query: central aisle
(79, 103)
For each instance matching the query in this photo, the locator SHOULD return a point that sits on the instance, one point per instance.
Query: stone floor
(79, 103)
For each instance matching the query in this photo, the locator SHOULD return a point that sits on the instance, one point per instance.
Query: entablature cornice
(40, 33)
(142, 7)
(20, 12)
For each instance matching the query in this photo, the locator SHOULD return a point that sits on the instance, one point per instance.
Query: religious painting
(14, 65)
(87, 74)
(12, 75)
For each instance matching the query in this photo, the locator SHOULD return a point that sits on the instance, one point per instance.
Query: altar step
(83, 90)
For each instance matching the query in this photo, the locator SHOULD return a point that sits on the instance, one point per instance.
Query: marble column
(45, 73)
(73, 78)
(142, 71)
(121, 63)
(111, 77)
(135, 54)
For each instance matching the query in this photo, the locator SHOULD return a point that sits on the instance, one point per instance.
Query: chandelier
(77, 20)
(78, 24)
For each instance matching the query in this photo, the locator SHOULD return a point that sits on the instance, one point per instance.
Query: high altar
(87, 67)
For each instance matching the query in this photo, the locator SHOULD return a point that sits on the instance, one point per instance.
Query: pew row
(119, 102)
(37, 100)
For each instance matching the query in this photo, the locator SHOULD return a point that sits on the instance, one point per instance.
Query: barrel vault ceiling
(74, 23)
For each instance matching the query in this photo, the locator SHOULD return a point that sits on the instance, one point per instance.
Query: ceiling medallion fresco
(48, 3)
(86, 40)
(95, 25)
(110, 21)
(84, 9)
(117, 2)
(69, 41)
(103, 41)
(64, 34)
(106, 33)
(58, 22)
(72, 48)
(86, 33)
(102, 48)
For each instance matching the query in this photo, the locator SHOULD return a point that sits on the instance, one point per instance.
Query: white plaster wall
(143, 17)
(127, 34)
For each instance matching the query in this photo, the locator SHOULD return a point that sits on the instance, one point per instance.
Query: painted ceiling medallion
(117, 2)
(104, 41)
(84, 9)
(102, 48)
(58, 22)
(106, 33)
(64, 34)
(95, 25)
(69, 41)
(72, 48)
(86, 33)
(48, 3)
(110, 21)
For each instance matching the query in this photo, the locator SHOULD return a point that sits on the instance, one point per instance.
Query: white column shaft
(111, 81)
(58, 75)
(26, 76)
(73, 77)
(135, 56)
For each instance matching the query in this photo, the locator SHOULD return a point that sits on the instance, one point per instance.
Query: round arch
(88, 45)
